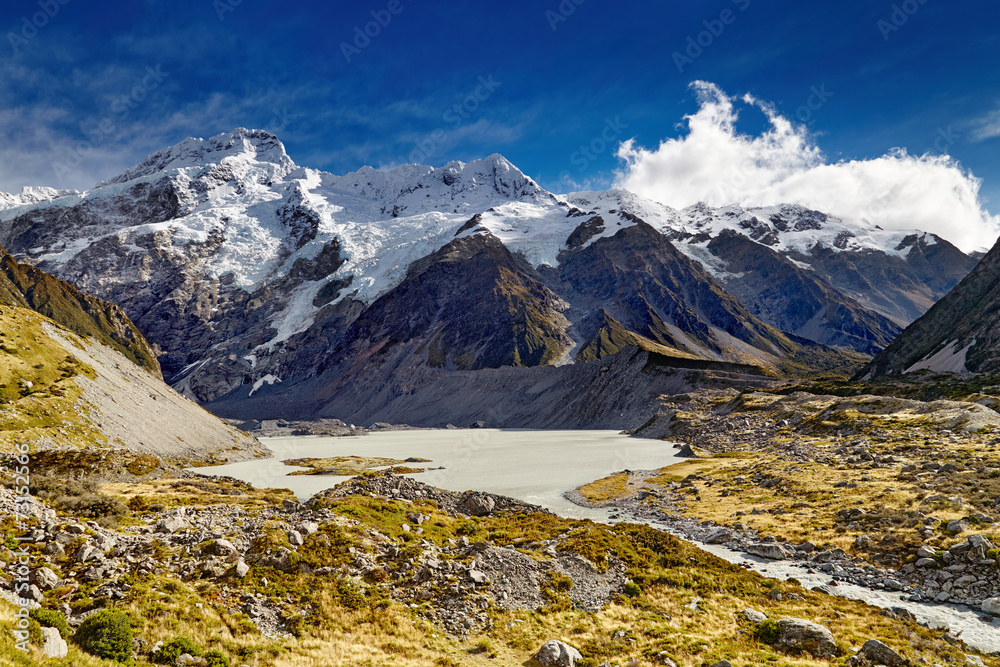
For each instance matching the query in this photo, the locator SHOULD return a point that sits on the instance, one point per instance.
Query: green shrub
(632, 589)
(767, 632)
(216, 658)
(171, 650)
(50, 618)
(106, 634)
(350, 594)
(34, 632)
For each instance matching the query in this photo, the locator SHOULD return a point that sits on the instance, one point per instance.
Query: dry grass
(341, 465)
(615, 487)
(804, 504)
(163, 494)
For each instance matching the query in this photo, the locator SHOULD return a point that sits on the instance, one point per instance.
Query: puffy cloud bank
(714, 163)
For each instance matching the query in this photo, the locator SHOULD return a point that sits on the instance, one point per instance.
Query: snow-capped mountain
(897, 274)
(252, 275)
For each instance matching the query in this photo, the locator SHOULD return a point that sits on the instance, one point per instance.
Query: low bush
(51, 618)
(168, 653)
(216, 658)
(107, 634)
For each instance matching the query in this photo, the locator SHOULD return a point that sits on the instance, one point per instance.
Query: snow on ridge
(31, 195)
(258, 145)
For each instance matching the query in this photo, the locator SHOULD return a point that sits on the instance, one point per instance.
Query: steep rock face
(470, 305)
(473, 306)
(794, 299)
(960, 333)
(641, 280)
(901, 285)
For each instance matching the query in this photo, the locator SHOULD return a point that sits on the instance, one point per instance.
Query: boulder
(991, 606)
(478, 504)
(956, 527)
(53, 645)
(173, 525)
(223, 549)
(45, 578)
(926, 552)
(764, 550)
(241, 569)
(753, 615)
(188, 660)
(295, 538)
(555, 653)
(803, 635)
(880, 654)
(308, 527)
(687, 452)
(718, 536)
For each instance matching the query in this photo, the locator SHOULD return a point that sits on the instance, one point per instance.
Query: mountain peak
(493, 179)
(241, 143)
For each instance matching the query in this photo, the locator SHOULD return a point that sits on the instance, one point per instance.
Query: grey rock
(308, 527)
(478, 504)
(718, 536)
(223, 549)
(753, 615)
(893, 585)
(173, 525)
(87, 553)
(555, 653)
(991, 606)
(764, 550)
(926, 552)
(241, 569)
(295, 538)
(45, 578)
(881, 654)
(798, 633)
(956, 527)
(53, 645)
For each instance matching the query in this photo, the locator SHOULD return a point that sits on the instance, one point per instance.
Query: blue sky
(91, 92)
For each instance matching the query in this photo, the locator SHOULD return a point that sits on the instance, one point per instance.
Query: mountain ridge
(248, 271)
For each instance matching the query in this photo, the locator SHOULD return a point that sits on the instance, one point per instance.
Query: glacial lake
(534, 466)
(539, 467)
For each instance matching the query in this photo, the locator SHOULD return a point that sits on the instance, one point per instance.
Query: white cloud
(715, 163)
